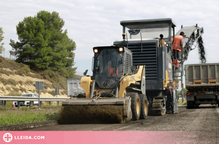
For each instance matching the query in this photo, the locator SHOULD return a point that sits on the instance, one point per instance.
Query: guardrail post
(18, 103)
(5, 104)
(31, 104)
(49, 103)
(57, 103)
(40, 103)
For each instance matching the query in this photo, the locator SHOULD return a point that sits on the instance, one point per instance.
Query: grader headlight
(121, 49)
(95, 50)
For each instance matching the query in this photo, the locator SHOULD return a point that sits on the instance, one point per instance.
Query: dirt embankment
(17, 78)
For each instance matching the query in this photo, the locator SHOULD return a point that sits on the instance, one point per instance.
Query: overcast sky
(97, 22)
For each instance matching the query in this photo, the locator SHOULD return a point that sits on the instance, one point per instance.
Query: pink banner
(97, 137)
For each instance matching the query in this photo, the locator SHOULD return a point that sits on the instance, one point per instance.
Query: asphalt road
(198, 124)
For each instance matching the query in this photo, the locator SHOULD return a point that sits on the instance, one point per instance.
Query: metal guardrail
(20, 98)
(3, 100)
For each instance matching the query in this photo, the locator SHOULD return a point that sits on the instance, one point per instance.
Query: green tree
(1, 39)
(44, 44)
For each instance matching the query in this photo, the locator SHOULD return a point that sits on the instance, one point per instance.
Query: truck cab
(149, 29)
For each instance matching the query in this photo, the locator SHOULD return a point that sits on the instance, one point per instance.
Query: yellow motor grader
(114, 93)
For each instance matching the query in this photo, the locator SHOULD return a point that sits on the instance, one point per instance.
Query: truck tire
(135, 105)
(190, 104)
(144, 106)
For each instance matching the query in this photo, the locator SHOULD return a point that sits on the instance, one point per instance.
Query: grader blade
(91, 110)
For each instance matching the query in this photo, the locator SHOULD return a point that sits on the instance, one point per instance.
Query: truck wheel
(135, 105)
(190, 104)
(144, 106)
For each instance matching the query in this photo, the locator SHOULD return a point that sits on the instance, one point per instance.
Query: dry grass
(14, 93)
(22, 89)
(8, 81)
(52, 92)
(8, 88)
(91, 114)
(19, 77)
(2, 71)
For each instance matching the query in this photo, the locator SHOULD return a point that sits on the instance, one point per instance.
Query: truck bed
(202, 75)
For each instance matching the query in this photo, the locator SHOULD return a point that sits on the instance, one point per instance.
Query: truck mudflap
(96, 110)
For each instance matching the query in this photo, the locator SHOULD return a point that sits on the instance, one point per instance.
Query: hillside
(17, 78)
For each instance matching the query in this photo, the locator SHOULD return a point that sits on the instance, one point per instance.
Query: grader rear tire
(135, 105)
(144, 106)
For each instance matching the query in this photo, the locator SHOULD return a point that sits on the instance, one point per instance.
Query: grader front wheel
(144, 106)
(135, 105)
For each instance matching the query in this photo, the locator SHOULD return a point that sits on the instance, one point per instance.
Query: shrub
(4, 72)
(3, 81)
(29, 82)
(20, 82)
(22, 89)
(15, 89)
(8, 88)
(12, 81)
(52, 92)
(24, 70)
(8, 81)
(14, 93)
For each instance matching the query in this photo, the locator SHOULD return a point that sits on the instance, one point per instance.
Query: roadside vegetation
(20, 117)
(182, 103)
(43, 52)
(10, 116)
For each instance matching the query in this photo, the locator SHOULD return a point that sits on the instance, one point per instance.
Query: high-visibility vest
(177, 42)
(110, 71)
(175, 63)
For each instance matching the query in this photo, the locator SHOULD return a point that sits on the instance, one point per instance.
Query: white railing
(20, 98)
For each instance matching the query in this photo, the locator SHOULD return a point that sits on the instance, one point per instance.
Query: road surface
(198, 124)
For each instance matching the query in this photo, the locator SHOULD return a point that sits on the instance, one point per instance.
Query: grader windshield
(108, 67)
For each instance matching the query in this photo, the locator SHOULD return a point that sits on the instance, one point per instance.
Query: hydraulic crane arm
(193, 34)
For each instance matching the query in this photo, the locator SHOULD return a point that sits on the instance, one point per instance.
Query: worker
(177, 48)
(112, 69)
(162, 43)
